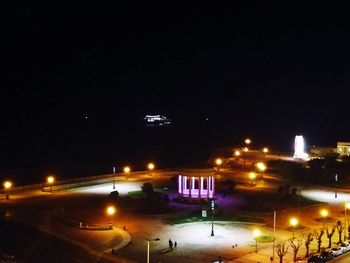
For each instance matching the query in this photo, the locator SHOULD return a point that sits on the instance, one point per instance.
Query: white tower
(299, 148)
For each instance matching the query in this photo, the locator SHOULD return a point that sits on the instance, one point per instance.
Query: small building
(196, 184)
(157, 120)
(343, 148)
(321, 152)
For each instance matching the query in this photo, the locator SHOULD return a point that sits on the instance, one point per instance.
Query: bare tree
(318, 236)
(308, 239)
(340, 228)
(282, 250)
(295, 244)
(330, 233)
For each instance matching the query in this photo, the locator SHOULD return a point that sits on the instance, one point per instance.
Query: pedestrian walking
(175, 245)
(170, 244)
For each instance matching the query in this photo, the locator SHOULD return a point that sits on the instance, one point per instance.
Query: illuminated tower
(299, 148)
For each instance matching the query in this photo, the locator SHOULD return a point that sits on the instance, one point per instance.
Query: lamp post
(50, 180)
(265, 150)
(110, 211)
(293, 222)
(150, 167)
(256, 234)
(212, 206)
(149, 240)
(218, 163)
(7, 185)
(261, 167)
(252, 177)
(127, 171)
(113, 177)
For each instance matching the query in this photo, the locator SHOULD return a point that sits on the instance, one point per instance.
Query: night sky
(255, 69)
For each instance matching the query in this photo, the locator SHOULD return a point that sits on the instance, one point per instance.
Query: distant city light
(237, 153)
(265, 150)
(248, 141)
(245, 149)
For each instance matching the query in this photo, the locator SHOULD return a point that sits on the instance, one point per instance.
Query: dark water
(21, 243)
(89, 147)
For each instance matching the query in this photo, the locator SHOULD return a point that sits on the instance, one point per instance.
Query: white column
(208, 186)
(200, 186)
(190, 187)
(213, 184)
(179, 188)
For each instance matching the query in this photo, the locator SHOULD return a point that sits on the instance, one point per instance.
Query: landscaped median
(196, 216)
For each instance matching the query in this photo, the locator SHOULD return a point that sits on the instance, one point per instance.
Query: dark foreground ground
(21, 243)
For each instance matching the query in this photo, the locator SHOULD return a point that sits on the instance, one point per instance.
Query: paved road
(342, 259)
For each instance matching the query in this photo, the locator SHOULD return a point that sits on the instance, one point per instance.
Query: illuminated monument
(299, 148)
(196, 184)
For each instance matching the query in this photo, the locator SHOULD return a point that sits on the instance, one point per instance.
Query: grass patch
(264, 239)
(197, 217)
(136, 194)
(266, 203)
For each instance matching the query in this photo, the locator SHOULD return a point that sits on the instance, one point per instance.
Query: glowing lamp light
(218, 161)
(237, 153)
(247, 141)
(293, 222)
(265, 150)
(252, 176)
(256, 233)
(261, 166)
(110, 210)
(324, 213)
(299, 148)
(50, 179)
(7, 184)
(127, 169)
(245, 149)
(150, 166)
(347, 205)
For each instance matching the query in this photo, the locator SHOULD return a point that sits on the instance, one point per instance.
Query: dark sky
(257, 67)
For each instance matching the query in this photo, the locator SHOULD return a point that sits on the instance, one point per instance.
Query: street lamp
(110, 211)
(261, 167)
(252, 177)
(237, 153)
(218, 163)
(256, 234)
(149, 240)
(212, 206)
(150, 167)
(127, 171)
(50, 180)
(293, 222)
(265, 150)
(113, 177)
(7, 185)
(324, 213)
